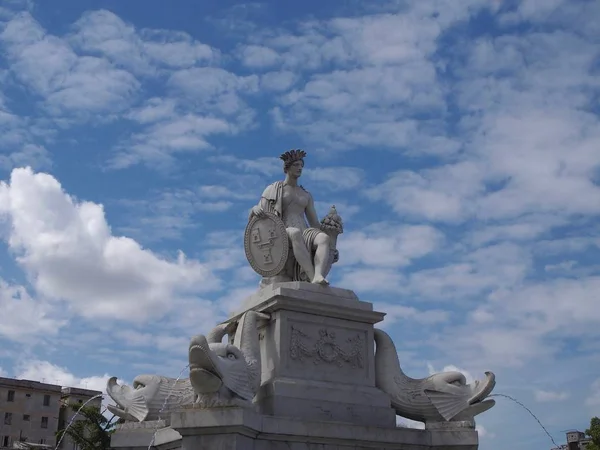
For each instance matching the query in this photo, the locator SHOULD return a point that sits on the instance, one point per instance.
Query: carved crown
(292, 156)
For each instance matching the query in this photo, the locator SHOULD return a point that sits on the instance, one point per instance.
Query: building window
(11, 396)
(44, 422)
(46, 400)
(42, 441)
(26, 417)
(6, 441)
(7, 418)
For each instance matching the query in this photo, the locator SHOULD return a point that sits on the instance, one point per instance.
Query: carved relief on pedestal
(326, 349)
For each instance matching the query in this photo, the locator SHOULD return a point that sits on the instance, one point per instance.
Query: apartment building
(33, 412)
(74, 397)
(576, 440)
(29, 411)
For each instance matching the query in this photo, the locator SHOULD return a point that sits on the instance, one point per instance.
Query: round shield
(267, 245)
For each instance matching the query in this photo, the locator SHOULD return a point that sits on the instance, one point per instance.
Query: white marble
(285, 219)
(439, 398)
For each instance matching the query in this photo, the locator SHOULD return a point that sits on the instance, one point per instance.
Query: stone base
(243, 429)
(317, 355)
(138, 436)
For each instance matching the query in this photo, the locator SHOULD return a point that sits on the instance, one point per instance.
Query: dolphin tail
(448, 404)
(131, 402)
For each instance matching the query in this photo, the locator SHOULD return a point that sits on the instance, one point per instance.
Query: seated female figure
(295, 206)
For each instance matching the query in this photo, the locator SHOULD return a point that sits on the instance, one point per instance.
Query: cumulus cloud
(24, 317)
(45, 371)
(69, 253)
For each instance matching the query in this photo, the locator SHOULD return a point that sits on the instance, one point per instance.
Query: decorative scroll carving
(326, 349)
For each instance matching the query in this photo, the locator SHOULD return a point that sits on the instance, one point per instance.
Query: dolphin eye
(231, 356)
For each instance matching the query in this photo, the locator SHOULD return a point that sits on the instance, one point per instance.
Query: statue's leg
(321, 257)
(301, 252)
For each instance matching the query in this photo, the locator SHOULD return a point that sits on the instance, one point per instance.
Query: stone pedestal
(318, 355)
(243, 429)
(138, 436)
(318, 387)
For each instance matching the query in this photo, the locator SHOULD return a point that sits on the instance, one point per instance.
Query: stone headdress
(291, 156)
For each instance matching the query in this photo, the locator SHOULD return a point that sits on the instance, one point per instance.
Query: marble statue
(145, 400)
(224, 374)
(312, 243)
(441, 397)
(220, 374)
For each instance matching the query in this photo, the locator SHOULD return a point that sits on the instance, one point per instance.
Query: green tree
(594, 432)
(91, 431)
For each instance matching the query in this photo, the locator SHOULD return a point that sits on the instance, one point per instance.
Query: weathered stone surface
(243, 429)
(138, 436)
(318, 356)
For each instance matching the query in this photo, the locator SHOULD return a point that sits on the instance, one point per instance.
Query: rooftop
(29, 384)
(80, 391)
(54, 388)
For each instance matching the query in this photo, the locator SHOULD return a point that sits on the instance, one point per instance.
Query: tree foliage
(91, 431)
(594, 432)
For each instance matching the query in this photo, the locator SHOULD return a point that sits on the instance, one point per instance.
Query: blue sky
(459, 140)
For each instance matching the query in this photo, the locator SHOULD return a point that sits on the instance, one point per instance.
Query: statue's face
(295, 169)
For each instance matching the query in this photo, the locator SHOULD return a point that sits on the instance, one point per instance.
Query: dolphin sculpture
(150, 396)
(440, 397)
(220, 374)
(227, 373)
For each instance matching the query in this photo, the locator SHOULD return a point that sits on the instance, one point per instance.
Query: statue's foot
(320, 279)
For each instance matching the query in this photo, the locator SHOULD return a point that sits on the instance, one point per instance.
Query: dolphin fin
(136, 407)
(236, 380)
(447, 404)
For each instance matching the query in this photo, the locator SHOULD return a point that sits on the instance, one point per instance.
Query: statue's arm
(311, 213)
(259, 208)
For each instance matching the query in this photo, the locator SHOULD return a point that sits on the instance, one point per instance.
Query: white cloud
(23, 317)
(47, 372)
(257, 56)
(278, 81)
(368, 280)
(383, 79)
(69, 83)
(29, 155)
(215, 89)
(143, 51)
(387, 245)
(451, 368)
(442, 194)
(484, 433)
(336, 178)
(67, 250)
(495, 267)
(402, 313)
(549, 396)
(167, 214)
(158, 142)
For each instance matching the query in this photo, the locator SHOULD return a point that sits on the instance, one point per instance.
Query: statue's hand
(336, 256)
(258, 211)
